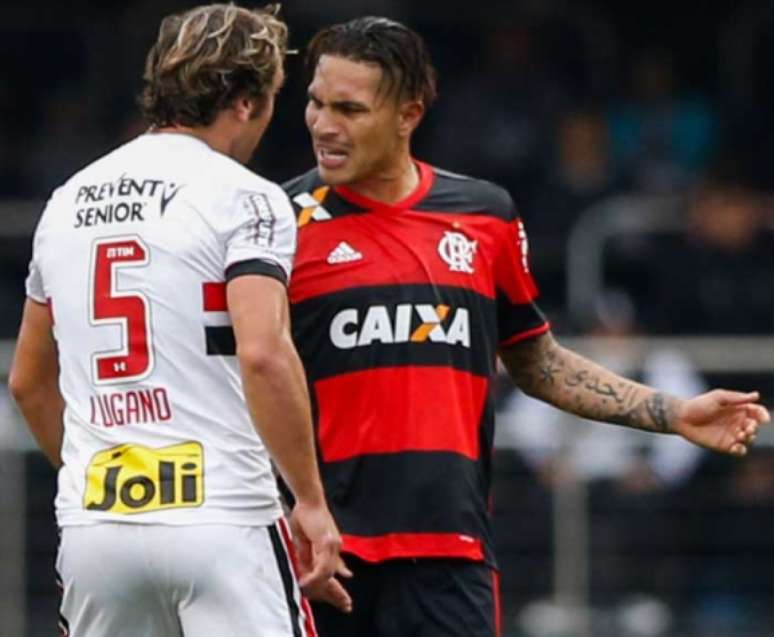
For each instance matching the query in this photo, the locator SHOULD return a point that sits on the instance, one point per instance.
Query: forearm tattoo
(545, 370)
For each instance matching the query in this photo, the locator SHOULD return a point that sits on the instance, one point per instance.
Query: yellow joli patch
(136, 479)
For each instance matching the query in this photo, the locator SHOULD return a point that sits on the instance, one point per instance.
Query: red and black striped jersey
(398, 312)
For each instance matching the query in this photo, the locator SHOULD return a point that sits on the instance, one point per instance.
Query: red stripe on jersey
(498, 614)
(523, 336)
(309, 627)
(395, 409)
(400, 249)
(214, 297)
(403, 545)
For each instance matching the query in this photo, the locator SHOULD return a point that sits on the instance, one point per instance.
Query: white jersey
(133, 254)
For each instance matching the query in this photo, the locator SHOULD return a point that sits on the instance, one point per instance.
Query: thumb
(728, 398)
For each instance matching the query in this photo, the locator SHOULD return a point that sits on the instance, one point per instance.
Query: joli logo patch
(137, 479)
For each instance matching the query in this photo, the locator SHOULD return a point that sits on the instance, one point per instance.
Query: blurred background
(635, 139)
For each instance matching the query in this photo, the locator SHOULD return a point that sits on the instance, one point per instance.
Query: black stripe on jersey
(458, 194)
(305, 182)
(314, 330)
(409, 492)
(450, 193)
(220, 340)
(335, 206)
(257, 266)
(514, 318)
(283, 563)
(310, 181)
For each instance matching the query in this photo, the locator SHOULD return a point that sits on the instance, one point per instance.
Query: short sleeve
(518, 316)
(34, 283)
(262, 239)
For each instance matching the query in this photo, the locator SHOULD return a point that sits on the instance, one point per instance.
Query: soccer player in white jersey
(154, 363)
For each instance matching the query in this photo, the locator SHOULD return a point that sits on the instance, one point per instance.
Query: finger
(324, 562)
(342, 569)
(342, 599)
(331, 592)
(738, 449)
(337, 596)
(315, 577)
(727, 398)
(759, 413)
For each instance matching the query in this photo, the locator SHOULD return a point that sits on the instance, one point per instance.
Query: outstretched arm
(719, 420)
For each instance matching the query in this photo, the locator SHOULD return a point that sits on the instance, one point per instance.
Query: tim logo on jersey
(405, 323)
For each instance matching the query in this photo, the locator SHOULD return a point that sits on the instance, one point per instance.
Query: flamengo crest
(457, 251)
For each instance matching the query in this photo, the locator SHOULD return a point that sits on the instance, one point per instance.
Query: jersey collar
(426, 179)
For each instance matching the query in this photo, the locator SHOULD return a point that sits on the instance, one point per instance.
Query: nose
(321, 122)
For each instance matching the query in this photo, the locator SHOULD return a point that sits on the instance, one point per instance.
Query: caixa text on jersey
(400, 325)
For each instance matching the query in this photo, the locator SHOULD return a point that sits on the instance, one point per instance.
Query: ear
(409, 115)
(244, 108)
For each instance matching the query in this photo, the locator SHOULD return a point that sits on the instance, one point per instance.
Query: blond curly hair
(207, 56)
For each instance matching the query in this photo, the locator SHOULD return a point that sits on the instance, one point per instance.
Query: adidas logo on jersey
(343, 253)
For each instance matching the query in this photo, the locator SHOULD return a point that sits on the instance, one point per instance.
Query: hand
(332, 591)
(318, 543)
(721, 420)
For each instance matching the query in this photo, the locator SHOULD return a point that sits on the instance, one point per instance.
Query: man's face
(354, 124)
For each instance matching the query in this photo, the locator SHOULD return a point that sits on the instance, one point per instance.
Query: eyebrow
(345, 104)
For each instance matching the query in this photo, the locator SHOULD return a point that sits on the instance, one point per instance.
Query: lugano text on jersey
(125, 199)
(136, 406)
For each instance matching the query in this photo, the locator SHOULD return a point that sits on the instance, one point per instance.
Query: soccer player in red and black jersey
(409, 281)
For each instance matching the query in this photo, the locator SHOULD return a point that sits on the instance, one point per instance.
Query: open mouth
(330, 158)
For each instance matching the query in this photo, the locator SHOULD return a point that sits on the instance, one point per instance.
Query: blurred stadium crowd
(567, 104)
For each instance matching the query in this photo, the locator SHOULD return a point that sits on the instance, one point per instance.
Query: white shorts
(141, 580)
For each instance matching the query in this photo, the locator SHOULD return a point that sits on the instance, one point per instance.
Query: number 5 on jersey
(129, 309)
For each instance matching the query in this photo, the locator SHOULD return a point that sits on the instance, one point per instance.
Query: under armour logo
(457, 251)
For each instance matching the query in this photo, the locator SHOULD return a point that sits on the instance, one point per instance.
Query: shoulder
(238, 177)
(49, 211)
(230, 183)
(91, 174)
(456, 193)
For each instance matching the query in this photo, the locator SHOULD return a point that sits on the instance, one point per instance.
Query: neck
(208, 135)
(390, 185)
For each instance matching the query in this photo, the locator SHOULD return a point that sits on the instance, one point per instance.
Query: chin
(332, 177)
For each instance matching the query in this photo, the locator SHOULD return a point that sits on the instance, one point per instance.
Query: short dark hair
(207, 56)
(400, 52)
